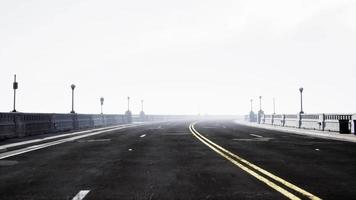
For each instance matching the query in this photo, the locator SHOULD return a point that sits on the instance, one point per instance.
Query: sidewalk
(313, 133)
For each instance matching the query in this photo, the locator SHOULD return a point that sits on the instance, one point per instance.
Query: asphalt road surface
(182, 160)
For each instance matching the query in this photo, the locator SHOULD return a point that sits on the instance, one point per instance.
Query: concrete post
(252, 117)
(354, 124)
(322, 122)
(75, 121)
(128, 117)
(272, 120)
(259, 116)
(20, 126)
(283, 120)
(300, 117)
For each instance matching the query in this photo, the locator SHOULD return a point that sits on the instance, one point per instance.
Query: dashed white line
(256, 135)
(144, 135)
(81, 194)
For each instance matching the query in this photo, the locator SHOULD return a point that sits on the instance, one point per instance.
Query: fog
(181, 57)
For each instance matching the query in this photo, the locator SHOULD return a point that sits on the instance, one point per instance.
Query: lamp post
(102, 103)
(260, 112)
(142, 114)
(142, 106)
(15, 87)
(274, 106)
(260, 103)
(251, 100)
(301, 100)
(73, 87)
(128, 103)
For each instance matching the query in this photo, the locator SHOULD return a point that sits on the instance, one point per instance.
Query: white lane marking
(54, 137)
(81, 194)
(144, 135)
(99, 140)
(256, 135)
(41, 146)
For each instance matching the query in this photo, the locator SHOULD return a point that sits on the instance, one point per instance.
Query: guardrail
(13, 125)
(342, 123)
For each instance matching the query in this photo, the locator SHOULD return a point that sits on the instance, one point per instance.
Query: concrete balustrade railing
(310, 122)
(353, 124)
(268, 119)
(291, 120)
(343, 123)
(278, 120)
(7, 125)
(13, 125)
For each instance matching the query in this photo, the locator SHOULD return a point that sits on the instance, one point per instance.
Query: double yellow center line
(264, 176)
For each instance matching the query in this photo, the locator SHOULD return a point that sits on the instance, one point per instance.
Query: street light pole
(128, 103)
(73, 87)
(15, 87)
(142, 105)
(251, 100)
(102, 103)
(260, 103)
(274, 106)
(301, 100)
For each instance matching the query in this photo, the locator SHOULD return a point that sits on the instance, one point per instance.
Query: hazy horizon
(185, 57)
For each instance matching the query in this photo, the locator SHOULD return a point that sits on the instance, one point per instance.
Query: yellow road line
(230, 156)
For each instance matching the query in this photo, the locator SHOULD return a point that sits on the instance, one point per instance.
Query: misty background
(181, 57)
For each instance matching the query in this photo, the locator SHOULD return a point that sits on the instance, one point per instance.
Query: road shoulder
(312, 133)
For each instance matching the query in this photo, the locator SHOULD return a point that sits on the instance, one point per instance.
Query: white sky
(181, 57)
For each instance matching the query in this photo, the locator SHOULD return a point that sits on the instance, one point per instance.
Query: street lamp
(142, 114)
(251, 100)
(15, 86)
(274, 106)
(301, 100)
(73, 87)
(142, 106)
(128, 103)
(260, 103)
(102, 103)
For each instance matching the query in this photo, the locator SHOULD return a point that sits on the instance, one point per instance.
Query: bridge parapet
(354, 124)
(267, 119)
(338, 122)
(291, 120)
(310, 121)
(14, 125)
(278, 120)
(343, 123)
(7, 125)
(62, 122)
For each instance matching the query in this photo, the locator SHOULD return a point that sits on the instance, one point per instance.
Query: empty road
(180, 160)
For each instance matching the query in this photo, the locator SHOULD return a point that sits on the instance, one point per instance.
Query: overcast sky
(181, 57)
